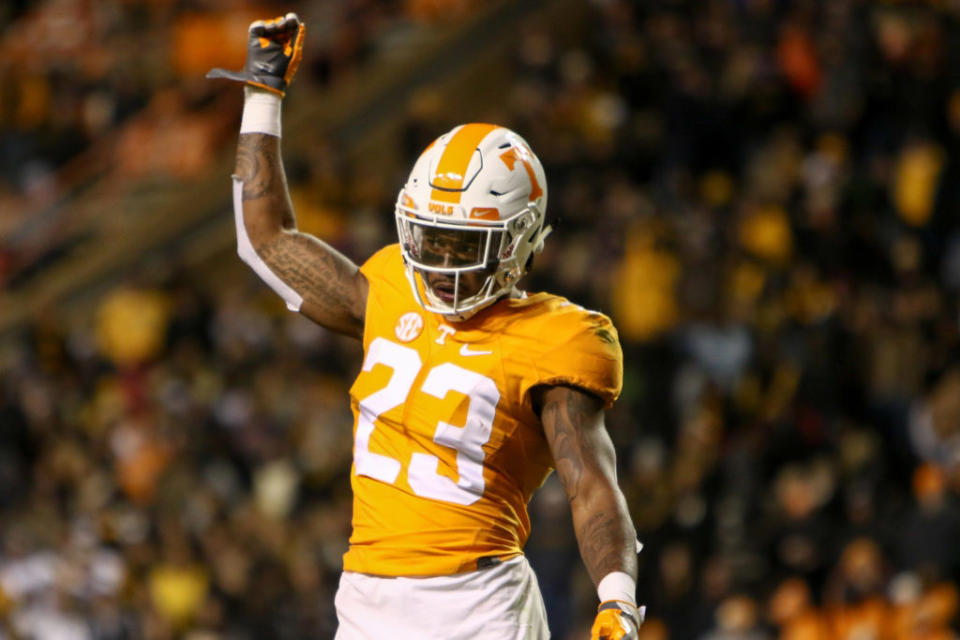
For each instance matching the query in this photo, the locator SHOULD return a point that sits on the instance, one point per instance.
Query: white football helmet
(470, 217)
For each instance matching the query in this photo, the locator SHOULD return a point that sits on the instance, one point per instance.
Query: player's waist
(386, 560)
(419, 541)
(396, 532)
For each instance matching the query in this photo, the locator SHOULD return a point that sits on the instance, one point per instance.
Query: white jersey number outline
(467, 440)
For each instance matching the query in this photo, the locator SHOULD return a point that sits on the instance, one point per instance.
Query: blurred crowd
(762, 194)
(102, 93)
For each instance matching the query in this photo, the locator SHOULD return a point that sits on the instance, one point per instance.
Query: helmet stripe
(452, 167)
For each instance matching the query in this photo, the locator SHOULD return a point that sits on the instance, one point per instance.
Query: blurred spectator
(762, 194)
(737, 619)
(930, 527)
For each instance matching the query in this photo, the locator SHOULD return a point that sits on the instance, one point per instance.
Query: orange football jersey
(447, 449)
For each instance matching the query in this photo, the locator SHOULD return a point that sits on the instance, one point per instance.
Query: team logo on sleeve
(409, 326)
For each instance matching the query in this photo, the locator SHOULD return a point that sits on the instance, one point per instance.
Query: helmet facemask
(457, 268)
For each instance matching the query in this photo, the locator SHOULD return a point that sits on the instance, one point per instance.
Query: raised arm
(332, 289)
(586, 463)
(310, 275)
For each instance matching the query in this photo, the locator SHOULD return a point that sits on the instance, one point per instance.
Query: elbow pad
(249, 255)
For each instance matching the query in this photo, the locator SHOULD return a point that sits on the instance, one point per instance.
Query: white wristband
(618, 585)
(261, 112)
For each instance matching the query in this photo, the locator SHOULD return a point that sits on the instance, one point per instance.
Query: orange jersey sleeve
(577, 347)
(447, 449)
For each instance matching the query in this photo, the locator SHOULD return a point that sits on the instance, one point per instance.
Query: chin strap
(538, 239)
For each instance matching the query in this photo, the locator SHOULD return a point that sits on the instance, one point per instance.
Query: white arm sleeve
(249, 255)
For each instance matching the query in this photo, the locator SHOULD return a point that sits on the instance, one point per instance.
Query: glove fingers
(290, 22)
(278, 29)
(613, 624)
(257, 27)
(295, 52)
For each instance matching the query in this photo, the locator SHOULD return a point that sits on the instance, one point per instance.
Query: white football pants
(502, 602)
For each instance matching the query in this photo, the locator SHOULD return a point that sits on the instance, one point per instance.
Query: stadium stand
(762, 194)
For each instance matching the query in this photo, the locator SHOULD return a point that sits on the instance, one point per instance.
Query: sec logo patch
(409, 326)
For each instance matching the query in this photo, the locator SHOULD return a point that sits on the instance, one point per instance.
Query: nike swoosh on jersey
(465, 350)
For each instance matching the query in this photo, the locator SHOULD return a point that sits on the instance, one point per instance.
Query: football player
(471, 390)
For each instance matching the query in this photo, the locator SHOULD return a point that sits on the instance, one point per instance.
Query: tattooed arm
(334, 291)
(585, 461)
